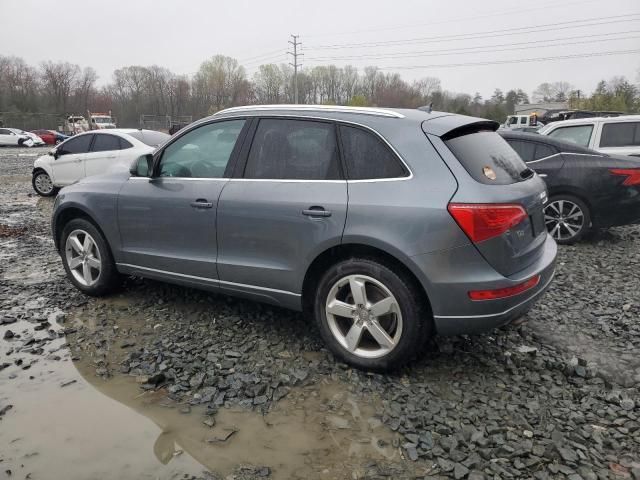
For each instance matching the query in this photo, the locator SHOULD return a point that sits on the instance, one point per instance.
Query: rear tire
(567, 218)
(87, 258)
(370, 316)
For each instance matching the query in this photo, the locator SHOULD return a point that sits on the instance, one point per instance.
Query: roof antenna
(427, 108)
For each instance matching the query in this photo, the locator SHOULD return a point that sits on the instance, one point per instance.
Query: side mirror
(54, 153)
(142, 166)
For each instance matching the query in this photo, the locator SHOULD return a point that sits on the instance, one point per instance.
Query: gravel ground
(556, 396)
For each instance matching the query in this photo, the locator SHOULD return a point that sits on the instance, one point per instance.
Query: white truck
(93, 121)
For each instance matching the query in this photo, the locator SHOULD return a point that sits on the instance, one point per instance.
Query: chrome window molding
(380, 112)
(192, 179)
(208, 280)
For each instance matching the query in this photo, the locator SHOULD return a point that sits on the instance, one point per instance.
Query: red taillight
(632, 174)
(483, 221)
(504, 292)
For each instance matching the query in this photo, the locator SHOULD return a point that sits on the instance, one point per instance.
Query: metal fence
(163, 122)
(31, 121)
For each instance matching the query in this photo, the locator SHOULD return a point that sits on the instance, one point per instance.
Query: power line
(466, 51)
(261, 55)
(487, 34)
(519, 60)
(295, 65)
(457, 19)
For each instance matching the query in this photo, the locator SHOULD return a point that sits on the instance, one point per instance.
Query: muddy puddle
(68, 423)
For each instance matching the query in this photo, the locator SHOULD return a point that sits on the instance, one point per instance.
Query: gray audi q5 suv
(385, 225)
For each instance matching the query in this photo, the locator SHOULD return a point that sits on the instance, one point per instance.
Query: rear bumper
(455, 313)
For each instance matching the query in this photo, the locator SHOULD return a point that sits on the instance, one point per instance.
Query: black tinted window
(124, 144)
(526, 150)
(78, 144)
(485, 155)
(543, 151)
(293, 149)
(620, 134)
(366, 156)
(105, 143)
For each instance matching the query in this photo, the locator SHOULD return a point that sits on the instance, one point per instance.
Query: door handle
(201, 203)
(316, 212)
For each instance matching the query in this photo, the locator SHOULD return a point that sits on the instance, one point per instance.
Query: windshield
(102, 119)
(488, 158)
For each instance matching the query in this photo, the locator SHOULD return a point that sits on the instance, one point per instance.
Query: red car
(49, 137)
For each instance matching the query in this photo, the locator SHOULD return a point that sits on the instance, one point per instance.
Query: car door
(543, 158)
(103, 155)
(68, 164)
(167, 222)
(7, 137)
(289, 205)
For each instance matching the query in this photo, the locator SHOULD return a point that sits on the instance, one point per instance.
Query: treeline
(221, 82)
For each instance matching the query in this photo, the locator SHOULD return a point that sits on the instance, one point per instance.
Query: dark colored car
(587, 189)
(385, 226)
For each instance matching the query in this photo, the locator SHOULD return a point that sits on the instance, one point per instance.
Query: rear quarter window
(620, 134)
(483, 152)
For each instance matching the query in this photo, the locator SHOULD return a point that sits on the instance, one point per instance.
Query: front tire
(567, 218)
(87, 258)
(42, 184)
(370, 316)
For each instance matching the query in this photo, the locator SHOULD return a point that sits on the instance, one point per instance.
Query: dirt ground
(160, 381)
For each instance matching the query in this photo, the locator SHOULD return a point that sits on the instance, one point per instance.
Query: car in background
(13, 137)
(91, 153)
(50, 137)
(587, 189)
(37, 141)
(614, 135)
(385, 225)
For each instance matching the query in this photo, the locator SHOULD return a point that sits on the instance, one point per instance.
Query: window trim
(238, 174)
(233, 158)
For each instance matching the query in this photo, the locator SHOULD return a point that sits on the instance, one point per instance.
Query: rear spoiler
(451, 126)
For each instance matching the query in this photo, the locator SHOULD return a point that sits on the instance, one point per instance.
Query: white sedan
(15, 137)
(92, 153)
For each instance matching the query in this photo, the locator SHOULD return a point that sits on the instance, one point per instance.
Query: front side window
(620, 134)
(79, 144)
(579, 134)
(203, 152)
(367, 156)
(4, 132)
(105, 143)
(293, 149)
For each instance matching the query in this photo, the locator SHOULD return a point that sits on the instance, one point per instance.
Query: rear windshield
(151, 138)
(488, 158)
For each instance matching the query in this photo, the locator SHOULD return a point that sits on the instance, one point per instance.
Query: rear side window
(124, 144)
(620, 134)
(105, 143)
(78, 144)
(526, 150)
(485, 155)
(367, 157)
(293, 149)
(579, 134)
(543, 151)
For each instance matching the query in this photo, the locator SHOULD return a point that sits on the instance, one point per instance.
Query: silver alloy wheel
(564, 219)
(43, 183)
(364, 316)
(83, 258)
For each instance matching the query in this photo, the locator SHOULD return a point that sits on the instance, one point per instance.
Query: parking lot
(160, 381)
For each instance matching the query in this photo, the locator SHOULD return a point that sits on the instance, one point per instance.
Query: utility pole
(295, 64)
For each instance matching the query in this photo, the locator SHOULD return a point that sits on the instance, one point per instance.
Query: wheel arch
(71, 213)
(344, 251)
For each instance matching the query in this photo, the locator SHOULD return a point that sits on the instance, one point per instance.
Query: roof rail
(381, 112)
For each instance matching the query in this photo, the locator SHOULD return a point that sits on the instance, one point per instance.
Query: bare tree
(59, 78)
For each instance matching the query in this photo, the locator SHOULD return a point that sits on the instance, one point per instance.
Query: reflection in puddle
(61, 428)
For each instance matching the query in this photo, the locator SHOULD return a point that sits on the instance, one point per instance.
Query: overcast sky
(180, 34)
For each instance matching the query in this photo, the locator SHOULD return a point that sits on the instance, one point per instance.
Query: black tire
(562, 235)
(108, 278)
(417, 321)
(37, 185)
